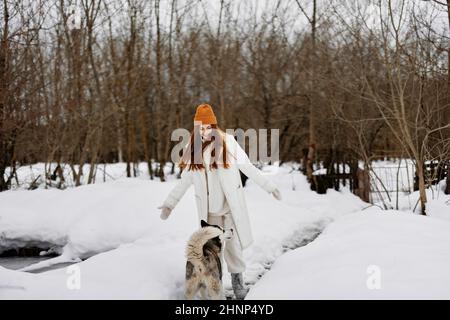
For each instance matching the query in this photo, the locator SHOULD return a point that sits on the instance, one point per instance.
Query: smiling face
(205, 131)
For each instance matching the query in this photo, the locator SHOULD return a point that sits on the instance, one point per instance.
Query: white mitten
(165, 212)
(277, 194)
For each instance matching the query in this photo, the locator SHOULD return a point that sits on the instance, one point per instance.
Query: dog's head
(224, 235)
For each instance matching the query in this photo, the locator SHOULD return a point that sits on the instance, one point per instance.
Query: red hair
(190, 154)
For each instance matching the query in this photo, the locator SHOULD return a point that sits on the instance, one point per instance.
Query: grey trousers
(232, 252)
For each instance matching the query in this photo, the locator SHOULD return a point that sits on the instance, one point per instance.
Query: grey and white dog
(204, 266)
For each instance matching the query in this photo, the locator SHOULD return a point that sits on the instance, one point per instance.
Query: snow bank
(82, 221)
(409, 252)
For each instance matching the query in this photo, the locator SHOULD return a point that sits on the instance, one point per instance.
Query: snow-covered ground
(133, 254)
(372, 255)
(129, 253)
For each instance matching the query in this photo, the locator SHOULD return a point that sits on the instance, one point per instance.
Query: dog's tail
(194, 249)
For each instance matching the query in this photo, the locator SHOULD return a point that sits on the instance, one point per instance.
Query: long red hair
(190, 154)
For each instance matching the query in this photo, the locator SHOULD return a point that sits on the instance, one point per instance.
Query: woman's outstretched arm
(179, 190)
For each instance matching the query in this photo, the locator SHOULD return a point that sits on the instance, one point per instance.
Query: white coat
(232, 187)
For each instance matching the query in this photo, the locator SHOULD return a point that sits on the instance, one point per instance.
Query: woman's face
(205, 131)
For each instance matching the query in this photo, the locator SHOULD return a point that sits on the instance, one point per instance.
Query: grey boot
(239, 289)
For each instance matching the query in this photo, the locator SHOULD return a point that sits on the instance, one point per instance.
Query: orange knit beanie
(205, 114)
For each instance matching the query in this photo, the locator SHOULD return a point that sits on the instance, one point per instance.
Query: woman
(211, 162)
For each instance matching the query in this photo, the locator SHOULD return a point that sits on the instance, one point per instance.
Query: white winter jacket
(231, 185)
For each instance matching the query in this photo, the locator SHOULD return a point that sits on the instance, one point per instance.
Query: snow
(439, 209)
(122, 250)
(84, 221)
(410, 253)
(132, 254)
(437, 206)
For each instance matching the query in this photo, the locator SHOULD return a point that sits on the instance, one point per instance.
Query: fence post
(363, 181)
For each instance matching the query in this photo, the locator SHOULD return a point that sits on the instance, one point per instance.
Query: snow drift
(372, 254)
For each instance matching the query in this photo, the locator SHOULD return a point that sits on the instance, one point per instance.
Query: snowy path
(299, 239)
(135, 255)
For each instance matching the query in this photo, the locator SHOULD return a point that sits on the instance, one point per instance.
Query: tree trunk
(448, 54)
(4, 48)
(422, 191)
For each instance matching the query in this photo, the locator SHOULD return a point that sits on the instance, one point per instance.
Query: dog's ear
(203, 223)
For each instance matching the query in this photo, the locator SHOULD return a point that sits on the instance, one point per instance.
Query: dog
(203, 265)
